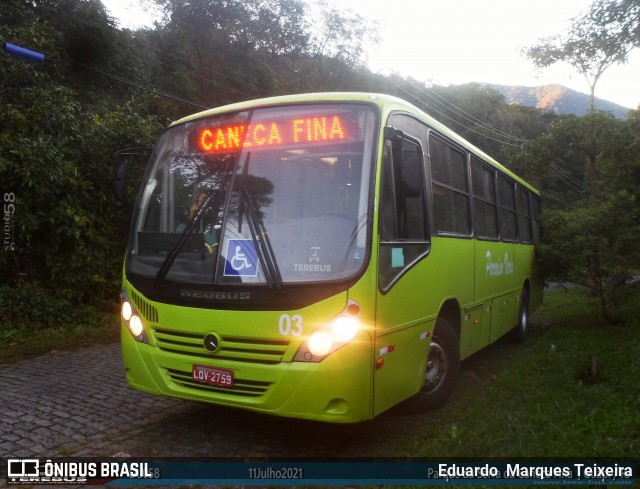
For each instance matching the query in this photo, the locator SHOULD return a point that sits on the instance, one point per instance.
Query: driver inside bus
(202, 196)
(206, 228)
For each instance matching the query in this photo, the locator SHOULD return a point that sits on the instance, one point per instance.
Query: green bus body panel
(404, 352)
(386, 362)
(406, 314)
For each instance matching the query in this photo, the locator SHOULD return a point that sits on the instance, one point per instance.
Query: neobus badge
(214, 294)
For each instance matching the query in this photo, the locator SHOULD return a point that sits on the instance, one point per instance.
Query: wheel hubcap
(436, 367)
(524, 320)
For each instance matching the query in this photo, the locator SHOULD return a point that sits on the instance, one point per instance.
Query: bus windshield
(269, 196)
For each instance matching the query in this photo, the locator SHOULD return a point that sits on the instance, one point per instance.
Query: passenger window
(534, 201)
(449, 188)
(507, 209)
(403, 229)
(484, 200)
(524, 216)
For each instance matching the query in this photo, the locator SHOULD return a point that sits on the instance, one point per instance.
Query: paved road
(78, 404)
(60, 402)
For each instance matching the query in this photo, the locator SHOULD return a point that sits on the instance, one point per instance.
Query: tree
(622, 17)
(229, 50)
(61, 120)
(334, 56)
(345, 36)
(66, 229)
(584, 241)
(598, 39)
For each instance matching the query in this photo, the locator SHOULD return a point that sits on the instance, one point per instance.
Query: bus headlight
(132, 319)
(320, 343)
(127, 311)
(330, 337)
(135, 326)
(345, 329)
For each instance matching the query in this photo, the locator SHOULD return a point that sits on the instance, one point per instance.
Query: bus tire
(443, 368)
(522, 328)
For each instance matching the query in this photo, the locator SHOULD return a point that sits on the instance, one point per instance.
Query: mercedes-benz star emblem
(211, 342)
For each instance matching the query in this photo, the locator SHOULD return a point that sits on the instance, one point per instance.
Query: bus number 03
(290, 325)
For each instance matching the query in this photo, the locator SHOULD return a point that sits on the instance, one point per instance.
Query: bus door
(400, 354)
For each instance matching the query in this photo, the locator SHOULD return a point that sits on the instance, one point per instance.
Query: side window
(449, 187)
(507, 209)
(524, 215)
(485, 214)
(403, 229)
(534, 201)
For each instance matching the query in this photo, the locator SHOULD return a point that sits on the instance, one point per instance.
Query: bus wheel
(443, 366)
(523, 316)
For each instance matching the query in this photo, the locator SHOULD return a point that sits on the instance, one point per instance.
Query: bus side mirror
(396, 136)
(120, 163)
(119, 178)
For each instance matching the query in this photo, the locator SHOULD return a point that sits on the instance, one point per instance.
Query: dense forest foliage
(103, 88)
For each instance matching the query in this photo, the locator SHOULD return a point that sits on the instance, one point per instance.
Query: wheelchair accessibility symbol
(241, 259)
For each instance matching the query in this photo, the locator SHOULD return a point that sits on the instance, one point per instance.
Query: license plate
(212, 376)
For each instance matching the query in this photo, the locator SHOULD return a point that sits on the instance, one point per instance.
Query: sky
(451, 42)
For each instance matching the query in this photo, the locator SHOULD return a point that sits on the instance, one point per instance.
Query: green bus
(322, 256)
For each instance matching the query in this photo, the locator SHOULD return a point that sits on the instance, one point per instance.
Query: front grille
(251, 350)
(147, 310)
(241, 387)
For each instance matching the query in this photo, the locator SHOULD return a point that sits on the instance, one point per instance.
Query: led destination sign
(275, 133)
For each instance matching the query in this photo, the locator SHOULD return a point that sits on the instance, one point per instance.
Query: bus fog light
(135, 325)
(320, 343)
(127, 311)
(345, 329)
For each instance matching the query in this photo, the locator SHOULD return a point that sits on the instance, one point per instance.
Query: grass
(22, 342)
(570, 390)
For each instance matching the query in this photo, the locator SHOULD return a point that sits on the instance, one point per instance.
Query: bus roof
(386, 103)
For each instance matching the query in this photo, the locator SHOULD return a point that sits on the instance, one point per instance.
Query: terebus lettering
(304, 247)
(308, 130)
(214, 295)
(306, 267)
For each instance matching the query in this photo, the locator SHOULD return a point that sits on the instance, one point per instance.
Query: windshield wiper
(184, 237)
(362, 220)
(188, 231)
(261, 240)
